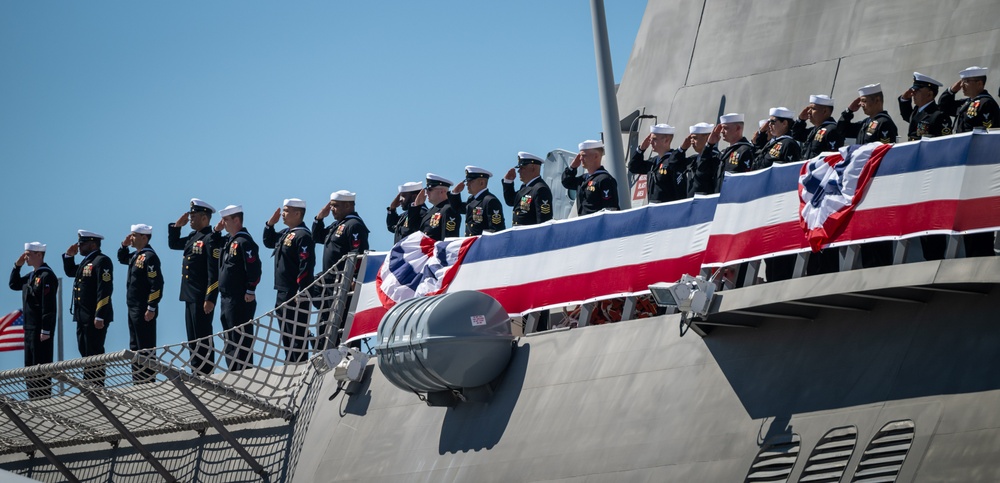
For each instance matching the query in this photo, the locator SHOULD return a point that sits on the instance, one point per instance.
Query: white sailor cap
(524, 159)
(473, 172)
(343, 195)
(762, 122)
(974, 71)
(85, 235)
(410, 187)
(870, 89)
(731, 117)
(821, 100)
(701, 128)
(590, 144)
(920, 80)
(142, 229)
(434, 180)
(231, 210)
(782, 112)
(661, 129)
(34, 247)
(199, 205)
(294, 203)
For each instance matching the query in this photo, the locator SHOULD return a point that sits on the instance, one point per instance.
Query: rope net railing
(254, 371)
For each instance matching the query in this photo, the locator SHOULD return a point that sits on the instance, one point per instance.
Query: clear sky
(114, 112)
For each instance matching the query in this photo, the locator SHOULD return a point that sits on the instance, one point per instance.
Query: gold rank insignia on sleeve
(987, 124)
(451, 225)
(216, 253)
(497, 217)
(106, 276)
(151, 273)
(545, 207)
(946, 131)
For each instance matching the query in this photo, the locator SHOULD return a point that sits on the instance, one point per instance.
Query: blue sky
(114, 112)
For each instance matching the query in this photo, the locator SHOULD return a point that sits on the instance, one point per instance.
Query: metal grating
(884, 456)
(775, 459)
(828, 460)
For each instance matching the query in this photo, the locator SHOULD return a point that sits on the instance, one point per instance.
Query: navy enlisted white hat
(199, 205)
(821, 100)
(920, 80)
(591, 144)
(142, 229)
(294, 203)
(524, 159)
(731, 117)
(701, 128)
(662, 129)
(434, 181)
(974, 71)
(34, 247)
(782, 112)
(231, 210)
(475, 172)
(870, 89)
(410, 187)
(343, 195)
(85, 235)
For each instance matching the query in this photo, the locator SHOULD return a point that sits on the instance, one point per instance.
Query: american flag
(12, 332)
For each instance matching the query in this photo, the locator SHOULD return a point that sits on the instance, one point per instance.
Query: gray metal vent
(775, 460)
(828, 461)
(884, 456)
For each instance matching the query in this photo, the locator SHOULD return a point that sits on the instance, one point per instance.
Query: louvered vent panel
(775, 460)
(884, 456)
(828, 461)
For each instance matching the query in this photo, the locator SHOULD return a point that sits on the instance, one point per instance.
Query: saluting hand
(21, 259)
(128, 240)
(687, 142)
(421, 197)
(73, 250)
(275, 217)
(577, 161)
(716, 134)
(510, 174)
(855, 105)
(183, 220)
(458, 188)
(219, 226)
(396, 200)
(325, 210)
(957, 86)
(804, 114)
(644, 145)
(907, 95)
